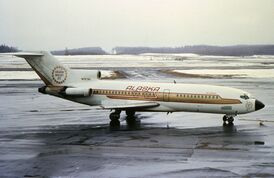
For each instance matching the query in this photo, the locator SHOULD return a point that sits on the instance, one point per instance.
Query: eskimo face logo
(59, 74)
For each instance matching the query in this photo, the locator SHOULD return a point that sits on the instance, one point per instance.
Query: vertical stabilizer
(48, 68)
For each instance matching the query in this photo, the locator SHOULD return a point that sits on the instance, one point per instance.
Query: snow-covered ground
(243, 73)
(250, 66)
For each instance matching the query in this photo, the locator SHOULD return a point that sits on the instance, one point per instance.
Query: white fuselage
(170, 96)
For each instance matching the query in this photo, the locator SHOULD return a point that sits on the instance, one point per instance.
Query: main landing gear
(115, 116)
(228, 120)
(114, 119)
(133, 122)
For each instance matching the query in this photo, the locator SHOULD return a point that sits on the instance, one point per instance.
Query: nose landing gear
(228, 120)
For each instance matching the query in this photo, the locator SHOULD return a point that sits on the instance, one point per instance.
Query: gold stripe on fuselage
(166, 97)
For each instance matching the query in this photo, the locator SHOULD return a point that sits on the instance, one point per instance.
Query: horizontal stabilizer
(23, 54)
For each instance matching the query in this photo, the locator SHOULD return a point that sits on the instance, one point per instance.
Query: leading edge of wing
(131, 105)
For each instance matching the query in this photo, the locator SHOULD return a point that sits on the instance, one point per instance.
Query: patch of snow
(7, 75)
(258, 73)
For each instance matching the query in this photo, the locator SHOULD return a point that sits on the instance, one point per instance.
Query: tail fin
(48, 68)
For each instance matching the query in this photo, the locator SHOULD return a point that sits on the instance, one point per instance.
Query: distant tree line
(238, 50)
(80, 51)
(5, 49)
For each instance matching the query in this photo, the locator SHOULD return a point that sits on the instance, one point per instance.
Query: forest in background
(5, 49)
(236, 50)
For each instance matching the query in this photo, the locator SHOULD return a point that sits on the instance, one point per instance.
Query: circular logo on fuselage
(59, 74)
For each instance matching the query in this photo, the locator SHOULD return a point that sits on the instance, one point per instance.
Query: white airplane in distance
(85, 86)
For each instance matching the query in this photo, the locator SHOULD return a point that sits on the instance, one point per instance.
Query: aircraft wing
(128, 105)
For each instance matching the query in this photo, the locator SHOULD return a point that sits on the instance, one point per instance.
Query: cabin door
(166, 95)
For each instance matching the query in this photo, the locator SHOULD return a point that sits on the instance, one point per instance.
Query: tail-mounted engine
(65, 91)
(77, 92)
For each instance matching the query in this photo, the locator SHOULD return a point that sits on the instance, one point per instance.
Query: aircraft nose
(258, 105)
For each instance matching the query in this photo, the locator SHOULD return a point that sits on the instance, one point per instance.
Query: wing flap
(129, 105)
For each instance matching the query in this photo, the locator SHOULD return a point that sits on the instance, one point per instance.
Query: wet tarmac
(44, 136)
(96, 151)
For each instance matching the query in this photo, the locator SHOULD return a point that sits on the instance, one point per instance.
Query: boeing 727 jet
(86, 87)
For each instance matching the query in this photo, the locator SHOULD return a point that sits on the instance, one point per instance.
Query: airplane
(87, 87)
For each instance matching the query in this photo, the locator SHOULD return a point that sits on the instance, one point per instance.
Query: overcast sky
(56, 24)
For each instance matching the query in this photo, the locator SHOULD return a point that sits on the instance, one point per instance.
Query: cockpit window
(244, 96)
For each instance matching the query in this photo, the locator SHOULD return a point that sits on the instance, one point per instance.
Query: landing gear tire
(225, 118)
(130, 117)
(130, 113)
(228, 120)
(114, 117)
(114, 125)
